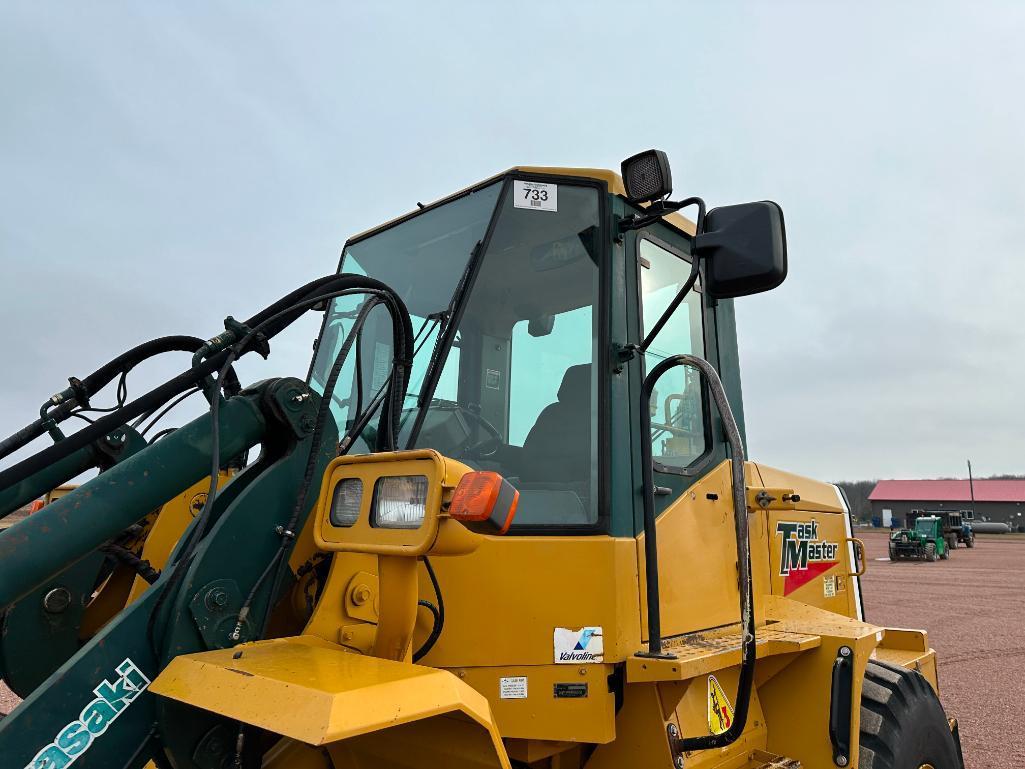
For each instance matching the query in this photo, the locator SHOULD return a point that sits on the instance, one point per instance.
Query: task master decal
(802, 556)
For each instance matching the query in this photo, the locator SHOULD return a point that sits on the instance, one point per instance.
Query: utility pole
(971, 487)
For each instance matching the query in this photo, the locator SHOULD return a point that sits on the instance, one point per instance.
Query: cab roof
(612, 180)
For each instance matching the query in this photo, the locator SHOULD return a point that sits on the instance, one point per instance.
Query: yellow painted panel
(314, 691)
(541, 715)
(504, 601)
(697, 546)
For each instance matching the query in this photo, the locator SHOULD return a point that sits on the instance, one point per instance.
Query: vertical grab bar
(747, 615)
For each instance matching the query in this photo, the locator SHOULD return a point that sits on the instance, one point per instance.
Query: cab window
(526, 392)
(678, 425)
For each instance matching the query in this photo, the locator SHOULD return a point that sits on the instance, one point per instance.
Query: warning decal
(720, 711)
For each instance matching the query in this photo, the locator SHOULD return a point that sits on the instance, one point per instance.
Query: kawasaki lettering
(112, 698)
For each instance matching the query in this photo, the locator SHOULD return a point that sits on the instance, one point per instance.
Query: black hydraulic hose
(141, 566)
(438, 612)
(106, 424)
(77, 396)
(105, 374)
(271, 323)
(333, 287)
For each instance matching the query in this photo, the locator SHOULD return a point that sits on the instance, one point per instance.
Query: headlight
(399, 502)
(346, 503)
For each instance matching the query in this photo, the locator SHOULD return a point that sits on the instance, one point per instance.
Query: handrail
(747, 615)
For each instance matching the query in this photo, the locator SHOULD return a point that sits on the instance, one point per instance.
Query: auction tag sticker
(513, 688)
(538, 196)
(583, 645)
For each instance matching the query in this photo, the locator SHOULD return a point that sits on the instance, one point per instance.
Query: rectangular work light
(399, 502)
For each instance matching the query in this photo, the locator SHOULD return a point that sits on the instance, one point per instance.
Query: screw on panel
(841, 760)
(845, 651)
(678, 762)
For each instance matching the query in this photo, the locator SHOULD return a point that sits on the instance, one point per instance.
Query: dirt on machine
(507, 519)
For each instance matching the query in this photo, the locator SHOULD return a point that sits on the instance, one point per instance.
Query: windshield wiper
(446, 332)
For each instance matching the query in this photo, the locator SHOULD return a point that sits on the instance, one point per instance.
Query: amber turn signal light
(484, 502)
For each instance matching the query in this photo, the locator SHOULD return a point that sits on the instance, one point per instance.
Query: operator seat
(558, 447)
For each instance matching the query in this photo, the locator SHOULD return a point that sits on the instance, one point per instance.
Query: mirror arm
(659, 209)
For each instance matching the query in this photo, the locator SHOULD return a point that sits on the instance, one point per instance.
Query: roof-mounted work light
(647, 177)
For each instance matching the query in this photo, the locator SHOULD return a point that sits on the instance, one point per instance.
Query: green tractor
(924, 542)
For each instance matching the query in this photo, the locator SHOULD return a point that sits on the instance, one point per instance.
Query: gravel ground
(974, 608)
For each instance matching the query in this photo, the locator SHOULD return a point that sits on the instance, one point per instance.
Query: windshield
(515, 392)
(422, 260)
(925, 525)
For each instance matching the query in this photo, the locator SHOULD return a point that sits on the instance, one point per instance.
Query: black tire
(893, 552)
(903, 725)
(930, 552)
(946, 554)
(970, 542)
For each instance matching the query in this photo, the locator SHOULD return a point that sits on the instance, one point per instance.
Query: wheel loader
(506, 519)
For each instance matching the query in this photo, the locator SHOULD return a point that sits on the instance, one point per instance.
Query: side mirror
(745, 249)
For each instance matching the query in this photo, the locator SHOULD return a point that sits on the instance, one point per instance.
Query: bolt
(583, 671)
(841, 760)
(361, 594)
(673, 731)
(57, 600)
(347, 635)
(307, 422)
(216, 599)
(845, 651)
(678, 762)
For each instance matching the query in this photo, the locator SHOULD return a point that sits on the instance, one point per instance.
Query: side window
(678, 434)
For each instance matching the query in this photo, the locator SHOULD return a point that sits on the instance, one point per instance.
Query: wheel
(946, 554)
(903, 725)
(893, 552)
(952, 541)
(970, 542)
(930, 551)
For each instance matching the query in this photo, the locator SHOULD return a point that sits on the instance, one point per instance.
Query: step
(697, 654)
(762, 760)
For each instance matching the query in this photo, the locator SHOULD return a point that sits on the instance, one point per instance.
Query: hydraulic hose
(270, 322)
(81, 390)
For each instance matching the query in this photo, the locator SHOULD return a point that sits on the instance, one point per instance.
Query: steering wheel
(480, 449)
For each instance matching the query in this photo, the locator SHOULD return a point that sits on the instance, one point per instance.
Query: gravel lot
(974, 608)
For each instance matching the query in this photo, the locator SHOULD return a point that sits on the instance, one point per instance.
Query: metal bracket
(215, 608)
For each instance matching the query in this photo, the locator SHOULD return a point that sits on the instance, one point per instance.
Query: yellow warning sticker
(720, 711)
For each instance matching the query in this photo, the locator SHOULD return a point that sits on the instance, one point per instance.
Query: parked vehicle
(924, 542)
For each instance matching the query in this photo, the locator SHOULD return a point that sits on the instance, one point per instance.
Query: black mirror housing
(745, 249)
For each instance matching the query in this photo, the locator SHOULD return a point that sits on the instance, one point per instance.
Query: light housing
(400, 502)
(346, 502)
(647, 177)
(484, 502)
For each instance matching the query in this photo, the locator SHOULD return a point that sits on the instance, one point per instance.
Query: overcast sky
(163, 165)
